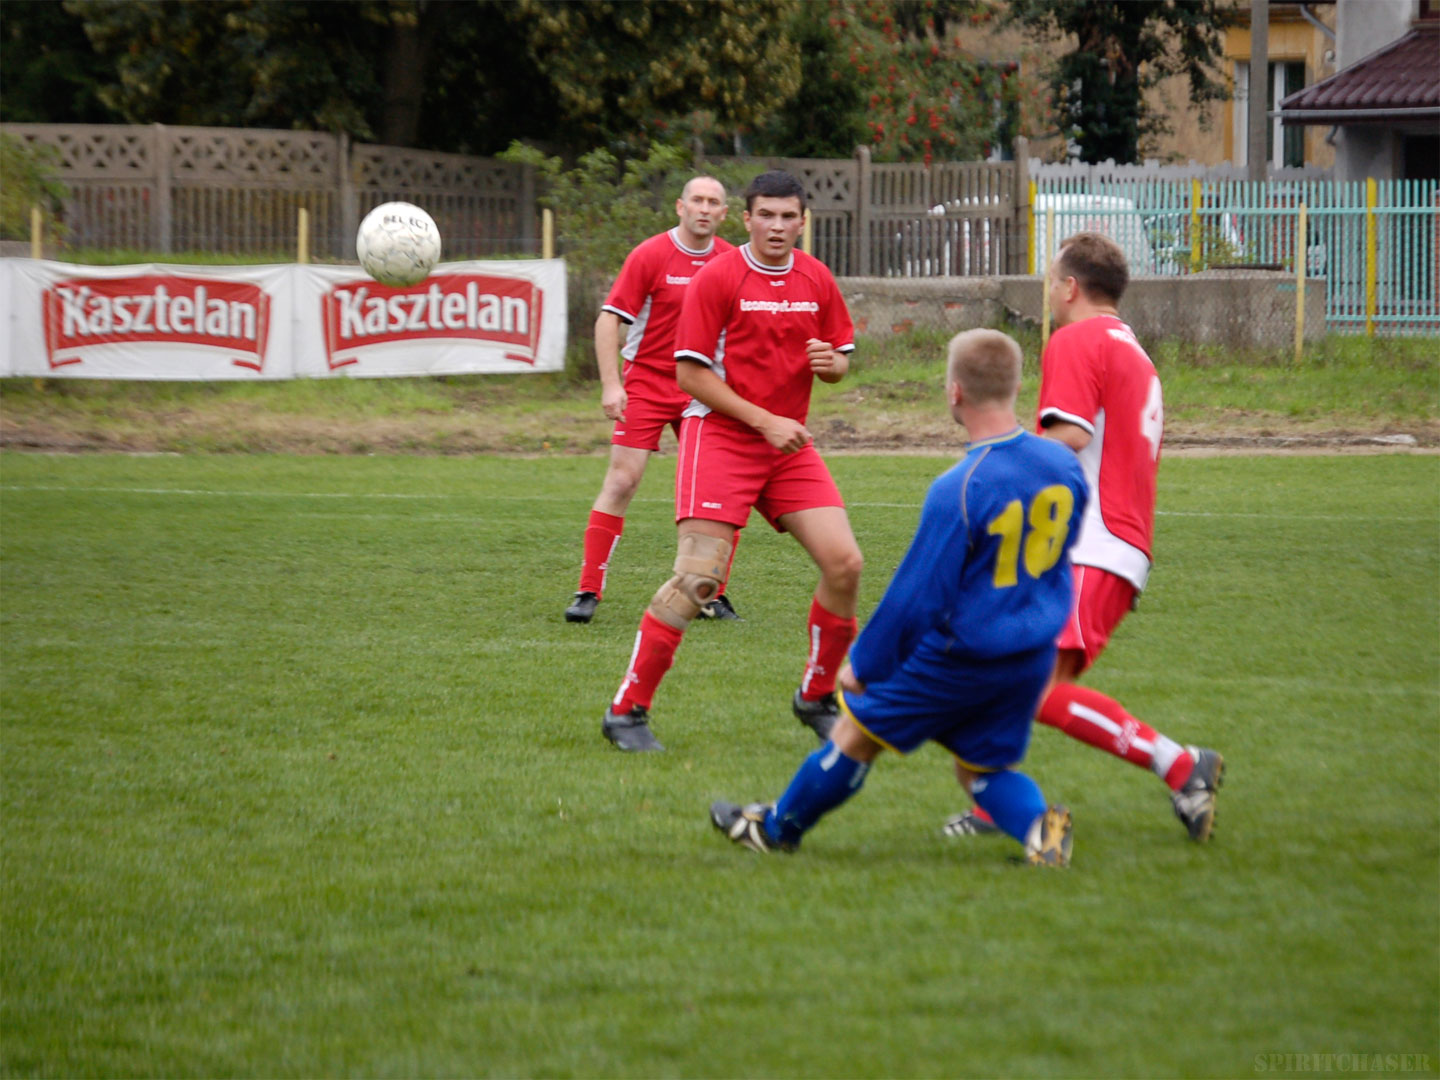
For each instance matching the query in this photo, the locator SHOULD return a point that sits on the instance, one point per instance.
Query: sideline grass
(302, 776)
(1345, 384)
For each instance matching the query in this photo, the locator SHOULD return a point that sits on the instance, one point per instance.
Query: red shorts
(1102, 600)
(652, 401)
(722, 474)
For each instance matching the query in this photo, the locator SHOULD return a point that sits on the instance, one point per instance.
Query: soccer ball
(398, 244)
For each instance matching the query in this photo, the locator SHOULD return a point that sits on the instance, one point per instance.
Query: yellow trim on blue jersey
(995, 440)
(844, 708)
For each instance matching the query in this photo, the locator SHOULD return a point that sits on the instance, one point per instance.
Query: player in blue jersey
(962, 645)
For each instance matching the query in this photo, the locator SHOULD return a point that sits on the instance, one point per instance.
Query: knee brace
(699, 571)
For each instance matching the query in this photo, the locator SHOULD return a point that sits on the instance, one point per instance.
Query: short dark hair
(1096, 263)
(986, 364)
(774, 185)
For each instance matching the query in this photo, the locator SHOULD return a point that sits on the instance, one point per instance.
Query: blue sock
(1011, 798)
(824, 780)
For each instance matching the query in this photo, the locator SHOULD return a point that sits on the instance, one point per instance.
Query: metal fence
(1374, 244)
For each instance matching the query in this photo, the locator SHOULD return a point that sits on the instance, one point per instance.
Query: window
(1286, 77)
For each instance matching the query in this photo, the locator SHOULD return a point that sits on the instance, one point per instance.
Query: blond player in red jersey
(759, 325)
(1100, 395)
(642, 398)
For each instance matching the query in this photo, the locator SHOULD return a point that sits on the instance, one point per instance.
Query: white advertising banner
(278, 322)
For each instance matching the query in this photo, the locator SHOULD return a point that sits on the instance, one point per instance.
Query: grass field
(302, 776)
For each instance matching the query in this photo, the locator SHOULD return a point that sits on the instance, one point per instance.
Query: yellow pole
(807, 238)
(1045, 279)
(547, 233)
(1195, 196)
(37, 233)
(302, 236)
(1370, 201)
(1030, 229)
(1300, 260)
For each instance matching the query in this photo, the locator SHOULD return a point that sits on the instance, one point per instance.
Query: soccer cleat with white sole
(1195, 802)
(745, 825)
(970, 823)
(1048, 841)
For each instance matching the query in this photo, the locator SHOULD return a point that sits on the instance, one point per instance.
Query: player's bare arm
(607, 359)
(781, 432)
(828, 363)
(1072, 435)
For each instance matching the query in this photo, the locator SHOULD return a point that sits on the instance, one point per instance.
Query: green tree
(627, 72)
(1121, 51)
(27, 179)
(49, 67)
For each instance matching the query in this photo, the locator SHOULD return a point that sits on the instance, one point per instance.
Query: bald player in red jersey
(759, 325)
(1100, 395)
(642, 398)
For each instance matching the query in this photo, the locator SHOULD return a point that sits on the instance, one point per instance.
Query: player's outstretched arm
(607, 360)
(697, 380)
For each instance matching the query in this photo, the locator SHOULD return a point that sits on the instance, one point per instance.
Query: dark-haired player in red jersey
(643, 398)
(1100, 395)
(759, 325)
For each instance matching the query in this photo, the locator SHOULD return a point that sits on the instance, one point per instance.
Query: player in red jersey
(643, 398)
(1100, 395)
(759, 325)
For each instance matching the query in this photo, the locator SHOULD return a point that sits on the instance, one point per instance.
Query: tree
(626, 72)
(918, 93)
(49, 66)
(1121, 51)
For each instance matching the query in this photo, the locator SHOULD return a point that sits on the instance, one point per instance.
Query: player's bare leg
(825, 533)
(606, 525)
(703, 550)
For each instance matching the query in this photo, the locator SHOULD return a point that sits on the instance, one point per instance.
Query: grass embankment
(1344, 389)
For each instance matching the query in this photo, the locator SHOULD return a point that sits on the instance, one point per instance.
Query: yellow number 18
(1049, 525)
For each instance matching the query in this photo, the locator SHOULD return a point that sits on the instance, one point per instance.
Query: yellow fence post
(1045, 279)
(1370, 248)
(37, 233)
(807, 238)
(1195, 196)
(1300, 260)
(302, 236)
(547, 233)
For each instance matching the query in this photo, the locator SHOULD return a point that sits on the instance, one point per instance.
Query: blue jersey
(988, 573)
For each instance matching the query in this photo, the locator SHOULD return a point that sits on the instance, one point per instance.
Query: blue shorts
(979, 710)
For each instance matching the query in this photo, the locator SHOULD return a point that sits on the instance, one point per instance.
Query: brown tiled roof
(1399, 81)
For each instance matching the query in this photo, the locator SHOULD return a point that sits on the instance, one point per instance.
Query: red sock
(1101, 721)
(601, 536)
(655, 645)
(735, 543)
(830, 638)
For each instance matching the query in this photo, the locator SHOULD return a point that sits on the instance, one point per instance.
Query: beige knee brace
(699, 572)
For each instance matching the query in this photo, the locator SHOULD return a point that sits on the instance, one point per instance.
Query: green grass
(302, 776)
(1345, 385)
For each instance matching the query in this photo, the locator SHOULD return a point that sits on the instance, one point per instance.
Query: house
(1381, 109)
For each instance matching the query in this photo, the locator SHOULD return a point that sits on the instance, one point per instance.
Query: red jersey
(749, 322)
(1095, 374)
(649, 291)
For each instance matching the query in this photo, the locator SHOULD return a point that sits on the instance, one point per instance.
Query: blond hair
(986, 365)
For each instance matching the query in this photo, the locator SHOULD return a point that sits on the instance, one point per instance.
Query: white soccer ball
(398, 244)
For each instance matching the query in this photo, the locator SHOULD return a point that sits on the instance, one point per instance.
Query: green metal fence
(1375, 244)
